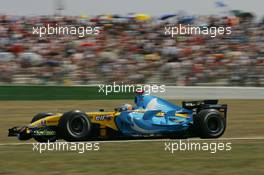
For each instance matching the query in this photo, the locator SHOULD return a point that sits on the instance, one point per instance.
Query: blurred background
(132, 48)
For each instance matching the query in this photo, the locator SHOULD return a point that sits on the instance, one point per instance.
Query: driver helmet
(127, 106)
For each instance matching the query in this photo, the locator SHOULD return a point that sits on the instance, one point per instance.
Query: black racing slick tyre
(74, 126)
(209, 123)
(43, 138)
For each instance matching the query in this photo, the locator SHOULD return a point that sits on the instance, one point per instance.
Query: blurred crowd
(132, 50)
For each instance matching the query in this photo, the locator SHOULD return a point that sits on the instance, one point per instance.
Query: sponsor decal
(104, 117)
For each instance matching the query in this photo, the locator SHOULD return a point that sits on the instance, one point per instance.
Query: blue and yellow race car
(150, 117)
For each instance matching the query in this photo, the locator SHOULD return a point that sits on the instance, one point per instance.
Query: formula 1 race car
(151, 117)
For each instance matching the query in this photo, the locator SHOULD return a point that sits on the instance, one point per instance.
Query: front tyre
(210, 123)
(74, 126)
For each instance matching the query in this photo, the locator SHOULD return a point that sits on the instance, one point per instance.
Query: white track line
(14, 144)
(149, 140)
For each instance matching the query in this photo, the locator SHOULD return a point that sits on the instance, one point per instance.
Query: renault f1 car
(151, 117)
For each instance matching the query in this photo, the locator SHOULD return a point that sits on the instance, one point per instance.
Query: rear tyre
(43, 138)
(74, 126)
(209, 123)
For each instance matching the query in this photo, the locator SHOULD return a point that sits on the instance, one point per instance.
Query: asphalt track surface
(185, 92)
(146, 140)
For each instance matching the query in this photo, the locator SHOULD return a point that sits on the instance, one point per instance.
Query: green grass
(135, 158)
(245, 119)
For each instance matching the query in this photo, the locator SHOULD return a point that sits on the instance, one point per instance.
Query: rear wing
(195, 104)
(198, 105)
